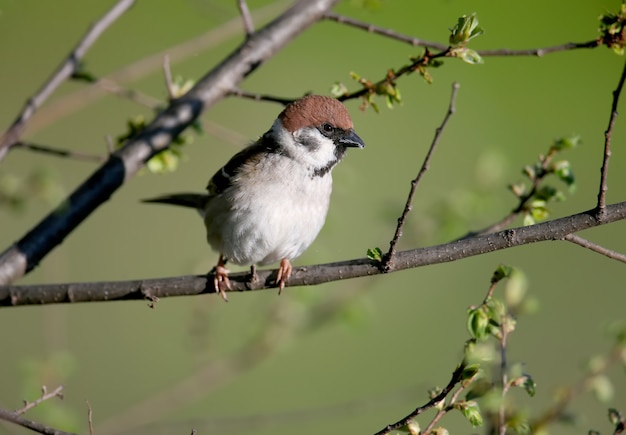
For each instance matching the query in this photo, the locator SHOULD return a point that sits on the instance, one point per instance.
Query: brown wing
(227, 174)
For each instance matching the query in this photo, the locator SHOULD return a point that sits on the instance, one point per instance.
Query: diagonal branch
(577, 240)
(415, 182)
(122, 165)
(30, 424)
(604, 171)
(555, 229)
(68, 67)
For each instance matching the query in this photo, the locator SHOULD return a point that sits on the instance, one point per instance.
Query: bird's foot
(284, 272)
(221, 281)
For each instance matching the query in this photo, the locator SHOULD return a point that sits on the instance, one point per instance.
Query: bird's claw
(284, 272)
(221, 281)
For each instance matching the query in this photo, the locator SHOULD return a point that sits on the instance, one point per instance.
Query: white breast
(276, 217)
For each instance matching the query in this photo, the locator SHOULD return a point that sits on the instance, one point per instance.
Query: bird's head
(315, 131)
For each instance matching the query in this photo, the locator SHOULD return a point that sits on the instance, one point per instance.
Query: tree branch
(415, 182)
(556, 229)
(68, 67)
(577, 240)
(604, 171)
(122, 165)
(417, 42)
(30, 424)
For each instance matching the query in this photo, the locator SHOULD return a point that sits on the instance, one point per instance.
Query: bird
(268, 203)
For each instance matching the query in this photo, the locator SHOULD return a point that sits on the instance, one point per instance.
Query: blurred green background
(346, 357)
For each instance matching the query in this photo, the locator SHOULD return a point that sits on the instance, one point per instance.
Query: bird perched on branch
(269, 202)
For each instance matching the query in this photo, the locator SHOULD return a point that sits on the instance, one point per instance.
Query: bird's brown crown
(315, 110)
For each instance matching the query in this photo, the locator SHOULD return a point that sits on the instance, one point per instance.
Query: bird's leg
(284, 272)
(252, 278)
(221, 280)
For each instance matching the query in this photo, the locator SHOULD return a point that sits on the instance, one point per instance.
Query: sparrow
(268, 203)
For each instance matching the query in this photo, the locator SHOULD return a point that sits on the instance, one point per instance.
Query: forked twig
(68, 67)
(388, 259)
(57, 392)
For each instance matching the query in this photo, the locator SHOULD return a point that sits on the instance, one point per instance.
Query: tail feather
(196, 201)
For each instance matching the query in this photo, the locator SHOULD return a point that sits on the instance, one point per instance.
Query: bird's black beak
(352, 140)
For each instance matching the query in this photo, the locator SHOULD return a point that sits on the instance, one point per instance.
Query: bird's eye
(328, 128)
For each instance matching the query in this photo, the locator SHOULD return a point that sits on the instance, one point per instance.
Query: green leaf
(338, 89)
(469, 56)
(470, 372)
(375, 254)
(471, 411)
(465, 29)
(565, 143)
(563, 171)
(615, 417)
(503, 271)
(478, 322)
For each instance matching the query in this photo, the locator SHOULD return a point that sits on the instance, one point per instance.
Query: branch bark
(153, 289)
(25, 254)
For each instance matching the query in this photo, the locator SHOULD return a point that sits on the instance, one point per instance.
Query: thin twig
(167, 73)
(456, 378)
(57, 392)
(414, 183)
(59, 152)
(415, 42)
(595, 247)
(90, 418)
(133, 95)
(248, 25)
(260, 97)
(607, 143)
(68, 67)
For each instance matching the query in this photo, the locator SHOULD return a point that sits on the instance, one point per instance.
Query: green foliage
(375, 254)
(461, 34)
(168, 159)
(612, 33)
(533, 194)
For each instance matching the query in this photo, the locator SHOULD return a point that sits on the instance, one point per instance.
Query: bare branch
(555, 229)
(415, 182)
(595, 247)
(415, 42)
(58, 152)
(30, 424)
(248, 25)
(90, 418)
(124, 163)
(57, 392)
(604, 171)
(69, 66)
(167, 73)
(261, 97)
(539, 52)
